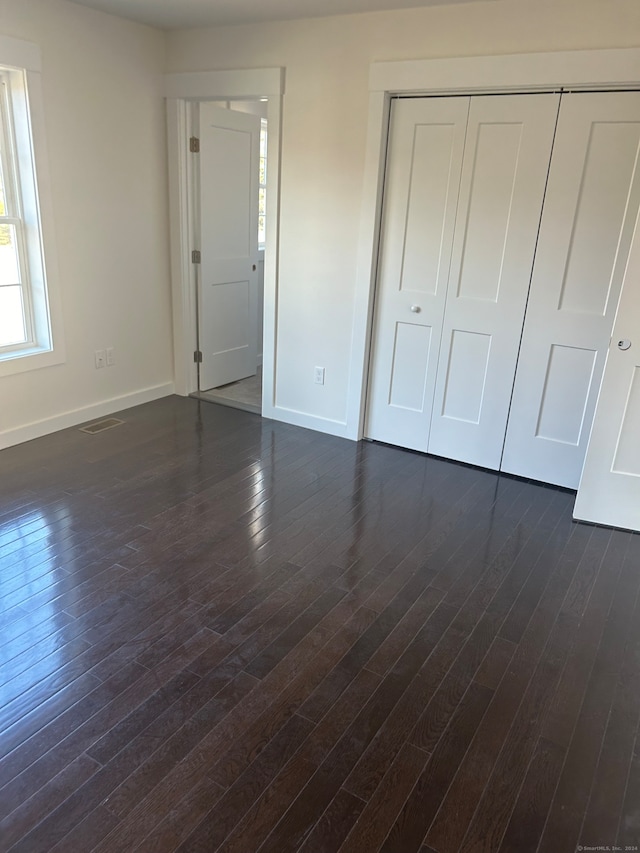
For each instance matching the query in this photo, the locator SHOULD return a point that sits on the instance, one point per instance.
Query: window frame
(32, 209)
(13, 215)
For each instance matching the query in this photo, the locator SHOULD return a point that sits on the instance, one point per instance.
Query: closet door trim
(519, 74)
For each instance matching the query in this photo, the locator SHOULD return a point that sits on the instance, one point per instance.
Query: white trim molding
(182, 90)
(16, 53)
(583, 69)
(314, 422)
(511, 72)
(37, 429)
(182, 275)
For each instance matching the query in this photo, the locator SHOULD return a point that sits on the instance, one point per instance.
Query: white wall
(105, 125)
(324, 132)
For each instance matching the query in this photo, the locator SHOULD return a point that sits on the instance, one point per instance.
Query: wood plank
(384, 806)
(531, 808)
(382, 601)
(477, 767)
(410, 827)
(212, 831)
(334, 825)
(567, 811)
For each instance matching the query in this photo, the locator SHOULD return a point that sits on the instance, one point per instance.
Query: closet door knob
(624, 344)
(416, 309)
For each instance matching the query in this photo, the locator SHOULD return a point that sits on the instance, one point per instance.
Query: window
(26, 315)
(262, 205)
(16, 324)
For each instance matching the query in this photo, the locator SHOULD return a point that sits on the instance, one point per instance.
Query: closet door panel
(506, 163)
(421, 192)
(585, 234)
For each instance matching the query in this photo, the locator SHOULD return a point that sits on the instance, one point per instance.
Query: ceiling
(177, 14)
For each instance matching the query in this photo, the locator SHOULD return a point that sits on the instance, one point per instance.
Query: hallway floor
(246, 394)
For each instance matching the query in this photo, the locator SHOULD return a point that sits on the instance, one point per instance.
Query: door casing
(534, 72)
(182, 91)
(522, 73)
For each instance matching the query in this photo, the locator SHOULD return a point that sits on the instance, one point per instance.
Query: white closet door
(421, 193)
(506, 163)
(585, 234)
(609, 490)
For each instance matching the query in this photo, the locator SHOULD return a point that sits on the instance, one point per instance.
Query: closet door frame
(514, 74)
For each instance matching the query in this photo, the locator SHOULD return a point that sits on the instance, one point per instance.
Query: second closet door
(589, 216)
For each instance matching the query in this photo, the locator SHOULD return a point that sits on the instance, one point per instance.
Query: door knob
(624, 344)
(416, 309)
(254, 267)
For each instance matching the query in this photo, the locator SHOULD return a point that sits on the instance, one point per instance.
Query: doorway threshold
(213, 397)
(245, 394)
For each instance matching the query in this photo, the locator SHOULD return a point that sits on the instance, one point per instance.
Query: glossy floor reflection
(223, 633)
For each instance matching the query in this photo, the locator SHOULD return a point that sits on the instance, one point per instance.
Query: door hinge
(197, 357)
(196, 256)
(194, 145)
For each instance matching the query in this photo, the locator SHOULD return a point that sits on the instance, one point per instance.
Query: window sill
(26, 360)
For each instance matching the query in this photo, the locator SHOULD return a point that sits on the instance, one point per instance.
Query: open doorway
(229, 212)
(185, 92)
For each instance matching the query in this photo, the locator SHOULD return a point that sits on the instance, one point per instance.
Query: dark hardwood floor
(220, 633)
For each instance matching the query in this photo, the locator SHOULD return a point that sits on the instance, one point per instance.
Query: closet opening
(506, 222)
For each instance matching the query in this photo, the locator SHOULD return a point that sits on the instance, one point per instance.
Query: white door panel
(590, 209)
(228, 282)
(465, 377)
(421, 193)
(506, 162)
(609, 490)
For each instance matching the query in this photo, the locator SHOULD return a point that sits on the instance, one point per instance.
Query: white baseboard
(302, 419)
(78, 416)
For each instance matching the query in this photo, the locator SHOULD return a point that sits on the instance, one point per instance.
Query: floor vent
(101, 426)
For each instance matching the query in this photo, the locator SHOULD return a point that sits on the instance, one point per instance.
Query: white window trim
(22, 60)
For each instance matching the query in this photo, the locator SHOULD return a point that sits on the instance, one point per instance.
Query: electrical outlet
(101, 359)
(318, 375)
(111, 357)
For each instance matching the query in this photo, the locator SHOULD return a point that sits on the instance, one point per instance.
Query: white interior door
(228, 285)
(585, 234)
(506, 163)
(609, 490)
(421, 193)
(458, 237)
